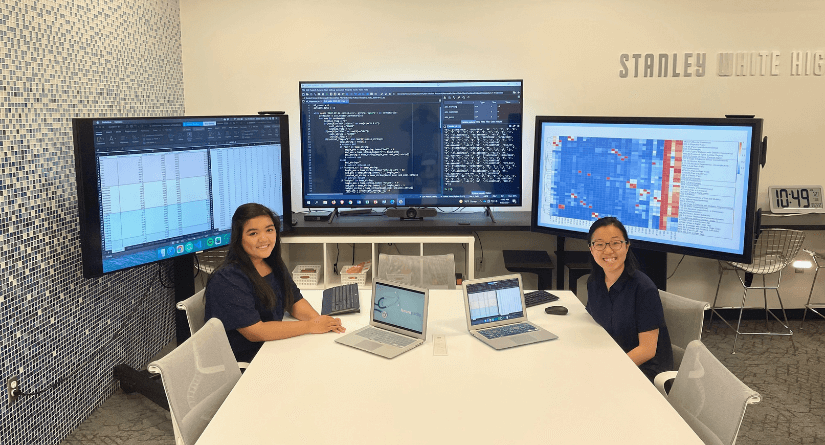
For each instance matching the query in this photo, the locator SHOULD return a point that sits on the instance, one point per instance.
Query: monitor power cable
(170, 286)
(677, 268)
(481, 262)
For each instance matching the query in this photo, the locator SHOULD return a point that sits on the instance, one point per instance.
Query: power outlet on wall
(479, 264)
(11, 388)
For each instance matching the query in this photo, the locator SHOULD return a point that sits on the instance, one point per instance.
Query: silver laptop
(497, 315)
(398, 320)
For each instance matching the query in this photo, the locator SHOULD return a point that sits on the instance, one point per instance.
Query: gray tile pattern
(128, 419)
(792, 385)
(64, 59)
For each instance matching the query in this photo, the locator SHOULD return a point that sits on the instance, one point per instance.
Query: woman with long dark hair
(624, 301)
(253, 287)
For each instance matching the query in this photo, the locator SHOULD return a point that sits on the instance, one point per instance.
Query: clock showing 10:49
(795, 198)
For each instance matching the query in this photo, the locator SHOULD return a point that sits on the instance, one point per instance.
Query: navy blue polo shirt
(231, 298)
(632, 306)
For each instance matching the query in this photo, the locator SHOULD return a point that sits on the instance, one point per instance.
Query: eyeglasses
(614, 245)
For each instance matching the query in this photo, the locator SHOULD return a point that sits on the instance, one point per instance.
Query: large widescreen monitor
(677, 184)
(153, 188)
(429, 143)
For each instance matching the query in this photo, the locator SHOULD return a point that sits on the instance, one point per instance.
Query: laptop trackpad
(523, 339)
(368, 345)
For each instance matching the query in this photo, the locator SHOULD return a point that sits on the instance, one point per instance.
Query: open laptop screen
(495, 300)
(398, 307)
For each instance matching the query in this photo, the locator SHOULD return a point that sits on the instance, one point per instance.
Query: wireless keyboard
(341, 300)
(538, 297)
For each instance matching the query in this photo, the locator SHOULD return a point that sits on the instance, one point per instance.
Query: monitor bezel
(753, 179)
(88, 191)
(388, 205)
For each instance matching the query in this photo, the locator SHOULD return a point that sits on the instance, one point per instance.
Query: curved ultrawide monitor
(420, 143)
(153, 188)
(678, 185)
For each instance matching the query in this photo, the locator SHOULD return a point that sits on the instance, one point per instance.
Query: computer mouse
(555, 310)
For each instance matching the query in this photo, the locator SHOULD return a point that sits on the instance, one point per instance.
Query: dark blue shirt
(630, 307)
(231, 298)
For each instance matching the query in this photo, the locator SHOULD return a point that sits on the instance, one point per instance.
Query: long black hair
(238, 257)
(631, 265)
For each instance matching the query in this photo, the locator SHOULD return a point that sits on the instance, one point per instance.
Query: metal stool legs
(713, 307)
(773, 250)
(808, 305)
(741, 307)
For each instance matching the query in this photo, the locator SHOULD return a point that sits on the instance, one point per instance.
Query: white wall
(242, 57)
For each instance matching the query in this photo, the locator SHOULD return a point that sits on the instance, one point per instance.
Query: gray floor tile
(792, 385)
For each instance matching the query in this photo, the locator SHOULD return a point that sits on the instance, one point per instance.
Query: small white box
(306, 275)
(359, 278)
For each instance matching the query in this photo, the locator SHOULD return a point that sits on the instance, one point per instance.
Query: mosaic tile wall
(61, 59)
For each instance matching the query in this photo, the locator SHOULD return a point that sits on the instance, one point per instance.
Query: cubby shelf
(321, 250)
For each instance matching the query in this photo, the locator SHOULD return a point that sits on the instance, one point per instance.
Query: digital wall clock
(795, 198)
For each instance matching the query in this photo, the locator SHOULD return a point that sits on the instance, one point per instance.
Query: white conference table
(578, 389)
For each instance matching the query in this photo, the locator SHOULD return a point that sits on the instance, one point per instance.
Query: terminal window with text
(158, 188)
(429, 143)
(677, 184)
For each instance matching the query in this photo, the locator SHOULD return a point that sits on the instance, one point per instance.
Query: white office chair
(816, 257)
(708, 396)
(429, 271)
(581, 288)
(684, 318)
(194, 307)
(772, 251)
(197, 376)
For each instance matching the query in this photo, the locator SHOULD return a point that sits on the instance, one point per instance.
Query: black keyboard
(341, 300)
(538, 297)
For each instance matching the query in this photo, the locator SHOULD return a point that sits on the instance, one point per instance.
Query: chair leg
(814, 310)
(713, 306)
(810, 294)
(765, 298)
(739, 324)
(785, 316)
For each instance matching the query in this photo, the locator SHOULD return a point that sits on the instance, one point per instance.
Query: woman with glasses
(624, 301)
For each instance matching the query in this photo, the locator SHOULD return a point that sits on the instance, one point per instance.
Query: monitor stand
(144, 382)
(332, 216)
(489, 212)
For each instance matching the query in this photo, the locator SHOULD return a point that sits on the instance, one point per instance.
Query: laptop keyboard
(388, 338)
(341, 300)
(507, 330)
